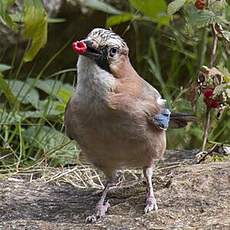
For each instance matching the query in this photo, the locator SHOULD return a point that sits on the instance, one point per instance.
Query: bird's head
(104, 47)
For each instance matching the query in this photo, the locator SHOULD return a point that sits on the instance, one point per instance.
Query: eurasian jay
(117, 118)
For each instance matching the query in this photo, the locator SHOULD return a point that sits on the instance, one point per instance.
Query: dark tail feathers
(179, 120)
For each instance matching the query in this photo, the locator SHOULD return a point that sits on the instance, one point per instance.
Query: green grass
(169, 57)
(31, 118)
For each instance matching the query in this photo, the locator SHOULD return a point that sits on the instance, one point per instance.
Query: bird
(117, 118)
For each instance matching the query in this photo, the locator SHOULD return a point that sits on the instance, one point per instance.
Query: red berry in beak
(79, 47)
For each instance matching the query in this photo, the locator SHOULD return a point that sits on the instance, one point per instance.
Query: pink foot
(101, 209)
(150, 204)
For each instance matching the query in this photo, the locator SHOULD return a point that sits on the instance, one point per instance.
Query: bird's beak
(85, 47)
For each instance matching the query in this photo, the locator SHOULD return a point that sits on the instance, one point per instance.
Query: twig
(217, 148)
(206, 128)
(212, 60)
(214, 46)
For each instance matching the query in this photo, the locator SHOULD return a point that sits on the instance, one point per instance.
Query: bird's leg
(150, 198)
(102, 206)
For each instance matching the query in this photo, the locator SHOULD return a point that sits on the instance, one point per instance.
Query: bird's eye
(113, 51)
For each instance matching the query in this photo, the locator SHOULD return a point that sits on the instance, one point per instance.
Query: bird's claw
(150, 205)
(101, 210)
(91, 219)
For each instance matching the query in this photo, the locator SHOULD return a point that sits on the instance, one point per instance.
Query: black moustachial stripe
(105, 39)
(102, 60)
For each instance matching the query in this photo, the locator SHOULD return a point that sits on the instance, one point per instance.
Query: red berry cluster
(200, 4)
(209, 100)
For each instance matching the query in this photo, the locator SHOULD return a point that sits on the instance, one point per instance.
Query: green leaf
(117, 19)
(53, 87)
(49, 107)
(162, 19)
(9, 118)
(35, 27)
(24, 92)
(4, 87)
(5, 18)
(31, 114)
(225, 72)
(4, 67)
(221, 20)
(60, 149)
(174, 6)
(152, 9)
(64, 94)
(227, 78)
(218, 90)
(17, 17)
(201, 18)
(226, 35)
(102, 6)
(217, 6)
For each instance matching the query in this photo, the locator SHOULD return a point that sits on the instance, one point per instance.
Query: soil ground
(189, 196)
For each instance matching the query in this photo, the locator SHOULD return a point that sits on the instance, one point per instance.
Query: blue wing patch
(162, 119)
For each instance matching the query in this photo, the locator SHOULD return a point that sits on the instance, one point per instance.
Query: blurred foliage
(171, 43)
(31, 120)
(147, 10)
(33, 18)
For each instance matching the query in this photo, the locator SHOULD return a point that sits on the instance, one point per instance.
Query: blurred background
(37, 70)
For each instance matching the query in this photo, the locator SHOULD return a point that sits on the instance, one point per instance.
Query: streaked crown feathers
(105, 37)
